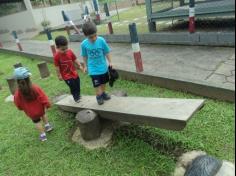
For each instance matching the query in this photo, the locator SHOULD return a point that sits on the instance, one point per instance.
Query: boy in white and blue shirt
(96, 55)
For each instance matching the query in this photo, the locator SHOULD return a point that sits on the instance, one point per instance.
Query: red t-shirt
(35, 108)
(65, 62)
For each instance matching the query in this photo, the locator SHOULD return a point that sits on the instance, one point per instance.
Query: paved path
(209, 65)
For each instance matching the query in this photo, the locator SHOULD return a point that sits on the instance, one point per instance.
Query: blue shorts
(99, 80)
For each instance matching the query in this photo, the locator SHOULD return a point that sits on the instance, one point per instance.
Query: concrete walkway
(202, 65)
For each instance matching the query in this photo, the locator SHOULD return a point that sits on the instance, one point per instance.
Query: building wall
(28, 23)
(22, 22)
(53, 14)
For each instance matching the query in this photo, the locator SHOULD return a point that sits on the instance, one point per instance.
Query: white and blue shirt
(96, 55)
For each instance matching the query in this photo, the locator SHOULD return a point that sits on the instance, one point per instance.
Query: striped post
(86, 10)
(192, 16)
(110, 28)
(95, 4)
(69, 23)
(17, 40)
(136, 47)
(51, 42)
(86, 14)
(1, 45)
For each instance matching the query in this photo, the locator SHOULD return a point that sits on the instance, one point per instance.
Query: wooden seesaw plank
(166, 113)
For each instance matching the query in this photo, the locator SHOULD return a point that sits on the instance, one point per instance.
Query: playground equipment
(69, 23)
(171, 114)
(158, 10)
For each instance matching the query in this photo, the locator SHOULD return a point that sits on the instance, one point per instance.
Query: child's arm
(17, 102)
(59, 74)
(77, 62)
(108, 56)
(42, 97)
(85, 64)
(107, 52)
(57, 63)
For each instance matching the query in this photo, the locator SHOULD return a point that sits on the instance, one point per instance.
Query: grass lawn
(136, 150)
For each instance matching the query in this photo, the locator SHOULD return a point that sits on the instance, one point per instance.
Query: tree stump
(89, 124)
(17, 65)
(43, 69)
(12, 85)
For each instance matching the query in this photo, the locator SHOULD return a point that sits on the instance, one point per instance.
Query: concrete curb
(30, 55)
(197, 88)
(181, 38)
(202, 89)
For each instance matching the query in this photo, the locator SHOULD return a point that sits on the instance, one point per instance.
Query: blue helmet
(21, 73)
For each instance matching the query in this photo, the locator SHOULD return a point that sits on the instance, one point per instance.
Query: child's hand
(85, 69)
(110, 65)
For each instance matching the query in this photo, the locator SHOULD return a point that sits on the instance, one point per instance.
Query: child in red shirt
(65, 61)
(32, 100)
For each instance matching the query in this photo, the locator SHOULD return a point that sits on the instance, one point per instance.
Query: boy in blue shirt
(96, 52)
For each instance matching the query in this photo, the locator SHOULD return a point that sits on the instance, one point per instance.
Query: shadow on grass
(164, 145)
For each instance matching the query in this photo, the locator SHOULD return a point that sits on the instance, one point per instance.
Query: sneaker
(43, 137)
(79, 100)
(100, 100)
(48, 128)
(106, 96)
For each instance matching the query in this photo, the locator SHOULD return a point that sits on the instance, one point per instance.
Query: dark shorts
(99, 80)
(36, 120)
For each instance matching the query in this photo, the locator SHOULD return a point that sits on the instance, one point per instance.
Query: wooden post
(89, 125)
(43, 69)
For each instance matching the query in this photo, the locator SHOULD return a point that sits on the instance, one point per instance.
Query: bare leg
(39, 127)
(99, 91)
(45, 119)
(103, 88)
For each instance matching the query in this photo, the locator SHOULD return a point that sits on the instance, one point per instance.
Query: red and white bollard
(136, 47)
(51, 42)
(109, 24)
(192, 27)
(1, 45)
(17, 40)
